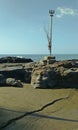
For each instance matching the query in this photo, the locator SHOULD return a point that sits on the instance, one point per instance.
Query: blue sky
(22, 24)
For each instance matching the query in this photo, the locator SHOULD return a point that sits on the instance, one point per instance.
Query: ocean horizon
(38, 57)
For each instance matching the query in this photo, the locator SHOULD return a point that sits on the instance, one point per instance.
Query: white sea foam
(19, 56)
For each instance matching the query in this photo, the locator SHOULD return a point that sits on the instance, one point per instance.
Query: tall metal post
(51, 12)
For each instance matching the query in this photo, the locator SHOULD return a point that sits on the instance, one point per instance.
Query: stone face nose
(39, 78)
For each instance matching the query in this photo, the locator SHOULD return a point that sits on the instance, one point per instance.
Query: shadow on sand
(54, 118)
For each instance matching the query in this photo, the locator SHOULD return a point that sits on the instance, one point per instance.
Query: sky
(23, 24)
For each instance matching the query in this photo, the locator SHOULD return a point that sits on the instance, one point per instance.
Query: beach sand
(38, 109)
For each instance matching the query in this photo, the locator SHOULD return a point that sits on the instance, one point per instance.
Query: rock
(30, 65)
(13, 82)
(44, 78)
(16, 72)
(27, 76)
(48, 60)
(9, 81)
(14, 60)
(2, 80)
(70, 77)
(28, 70)
(20, 72)
(61, 74)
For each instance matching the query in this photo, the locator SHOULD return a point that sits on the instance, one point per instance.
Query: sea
(38, 57)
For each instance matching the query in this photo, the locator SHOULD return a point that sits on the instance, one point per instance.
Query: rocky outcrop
(10, 82)
(14, 60)
(57, 75)
(15, 74)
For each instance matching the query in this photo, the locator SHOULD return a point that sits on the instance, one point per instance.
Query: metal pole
(51, 12)
(50, 35)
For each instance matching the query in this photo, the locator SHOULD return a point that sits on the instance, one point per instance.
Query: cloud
(66, 11)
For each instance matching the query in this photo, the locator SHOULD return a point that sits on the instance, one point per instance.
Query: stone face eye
(41, 74)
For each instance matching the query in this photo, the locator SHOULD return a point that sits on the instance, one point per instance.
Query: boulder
(61, 74)
(13, 82)
(44, 78)
(70, 77)
(10, 82)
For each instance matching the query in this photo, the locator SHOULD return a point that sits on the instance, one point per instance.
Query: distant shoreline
(38, 57)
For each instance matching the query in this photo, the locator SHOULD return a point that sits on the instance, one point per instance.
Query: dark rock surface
(10, 81)
(18, 72)
(14, 60)
(2, 80)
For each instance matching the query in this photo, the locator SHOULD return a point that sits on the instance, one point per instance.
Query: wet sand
(38, 109)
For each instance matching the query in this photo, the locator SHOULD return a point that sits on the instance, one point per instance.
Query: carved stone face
(39, 79)
(42, 79)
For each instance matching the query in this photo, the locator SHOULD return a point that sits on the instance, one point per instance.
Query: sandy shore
(38, 109)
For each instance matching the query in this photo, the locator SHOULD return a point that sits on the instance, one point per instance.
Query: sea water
(38, 57)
